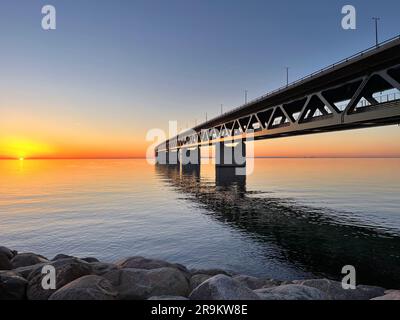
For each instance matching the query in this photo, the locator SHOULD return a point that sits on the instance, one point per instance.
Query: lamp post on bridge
(287, 76)
(376, 19)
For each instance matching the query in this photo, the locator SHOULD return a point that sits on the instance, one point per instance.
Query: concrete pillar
(226, 177)
(173, 157)
(190, 156)
(161, 157)
(191, 170)
(230, 155)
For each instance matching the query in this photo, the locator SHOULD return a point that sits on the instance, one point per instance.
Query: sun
(22, 149)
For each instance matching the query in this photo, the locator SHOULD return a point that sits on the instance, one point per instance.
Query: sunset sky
(112, 70)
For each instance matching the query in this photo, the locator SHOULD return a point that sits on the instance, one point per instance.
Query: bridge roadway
(358, 92)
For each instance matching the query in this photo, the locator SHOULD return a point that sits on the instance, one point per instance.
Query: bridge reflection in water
(309, 238)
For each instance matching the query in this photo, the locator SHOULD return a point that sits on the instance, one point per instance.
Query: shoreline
(65, 277)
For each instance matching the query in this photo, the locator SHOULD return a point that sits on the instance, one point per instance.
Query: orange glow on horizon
(357, 143)
(21, 149)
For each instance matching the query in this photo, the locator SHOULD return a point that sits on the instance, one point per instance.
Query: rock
(274, 283)
(222, 287)
(254, 283)
(8, 252)
(334, 290)
(61, 256)
(100, 268)
(12, 286)
(27, 259)
(5, 263)
(210, 272)
(86, 288)
(90, 259)
(197, 280)
(281, 283)
(389, 295)
(137, 284)
(67, 270)
(148, 264)
(169, 298)
(26, 271)
(291, 292)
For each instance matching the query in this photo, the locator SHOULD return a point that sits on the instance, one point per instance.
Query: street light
(376, 19)
(287, 76)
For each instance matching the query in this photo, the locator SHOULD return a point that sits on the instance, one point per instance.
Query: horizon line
(258, 157)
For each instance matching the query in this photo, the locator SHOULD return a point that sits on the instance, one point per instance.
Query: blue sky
(120, 66)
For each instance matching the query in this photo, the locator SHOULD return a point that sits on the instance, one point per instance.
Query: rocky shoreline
(138, 278)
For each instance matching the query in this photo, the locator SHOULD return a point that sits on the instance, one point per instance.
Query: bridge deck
(340, 97)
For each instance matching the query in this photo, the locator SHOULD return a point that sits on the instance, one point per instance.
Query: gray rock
(274, 283)
(12, 286)
(100, 268)
(197, 280)
(61, 256)
(5, 263)
(138, 284)
(389, 295)
(281, 283)
(26, 271)
(8, 252)
(90, 259)
(254, 283)
(27, 259)
(168, 298)
(67, 270)
(210, 272)
(222, 287)
(334, 290)
(148, 264)
(291, 292)
(86, 288)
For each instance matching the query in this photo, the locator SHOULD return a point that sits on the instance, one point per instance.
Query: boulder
(148, 264)
(222, 287)
(291, 292)
(26, 271)
(210, 272)
(100, 268)
(389, 295)
(197, 280)
(61, 256)
(27, 259)
(5, 263)
(86, 288)
(169, 298)
(334, 290)
(139, 284)
(90, 259)
(67, 270)
(8, 252)
(12, 286)
(254, 283)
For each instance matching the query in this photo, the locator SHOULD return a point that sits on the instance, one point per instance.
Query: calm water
(292, 218)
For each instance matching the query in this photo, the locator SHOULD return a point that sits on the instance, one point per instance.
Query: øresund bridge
(358, 92)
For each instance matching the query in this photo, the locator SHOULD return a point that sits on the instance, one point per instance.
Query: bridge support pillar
(226, 177)
(161, 157)
(230, 154)
(173, 157)
(190, 156)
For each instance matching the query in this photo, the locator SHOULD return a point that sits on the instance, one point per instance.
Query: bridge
(360, 91)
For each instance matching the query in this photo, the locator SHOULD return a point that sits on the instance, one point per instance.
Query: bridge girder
(346, 103)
